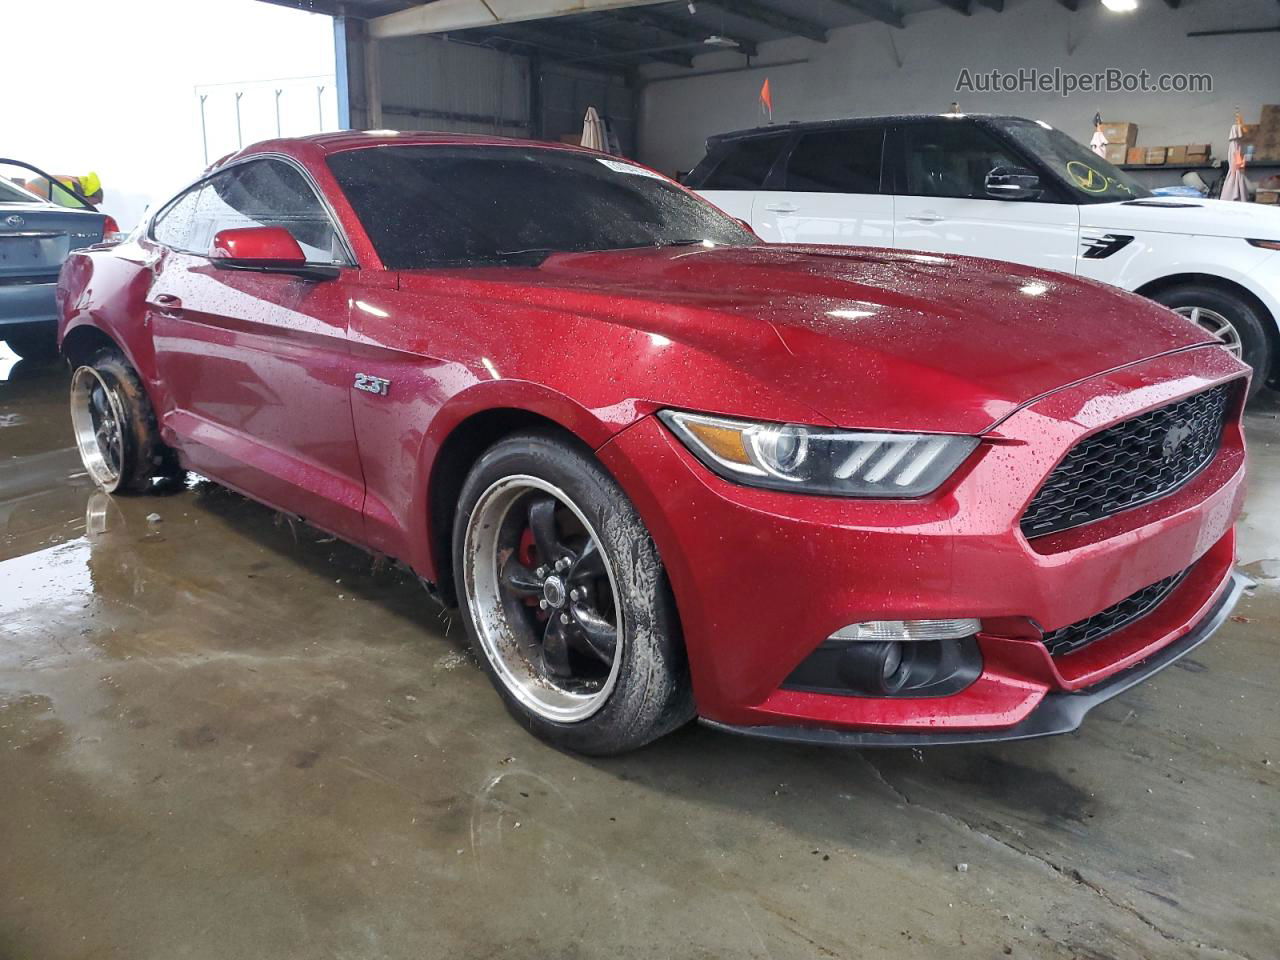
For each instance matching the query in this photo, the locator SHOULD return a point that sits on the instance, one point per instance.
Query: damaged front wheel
(565, 600)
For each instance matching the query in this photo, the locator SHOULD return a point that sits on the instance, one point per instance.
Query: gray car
(36, 235)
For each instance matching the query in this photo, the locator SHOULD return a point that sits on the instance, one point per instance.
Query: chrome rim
(1216, 324)
(98, 423)
(543, 598)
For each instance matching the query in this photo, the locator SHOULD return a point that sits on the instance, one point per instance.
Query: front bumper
(1057, 712)
(22, 303)
(761, 578)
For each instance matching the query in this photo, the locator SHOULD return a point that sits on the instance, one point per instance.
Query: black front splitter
(1057, 713)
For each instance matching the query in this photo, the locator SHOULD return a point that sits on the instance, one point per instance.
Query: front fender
(470, 413)
(1152, 258)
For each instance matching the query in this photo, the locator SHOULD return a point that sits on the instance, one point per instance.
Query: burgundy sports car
(813, 493)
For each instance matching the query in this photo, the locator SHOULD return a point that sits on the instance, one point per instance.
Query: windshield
(1090, 178)
(12, 193)
(427, 206)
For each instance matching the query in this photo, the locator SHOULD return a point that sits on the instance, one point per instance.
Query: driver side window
(266, 193)
(952, 159)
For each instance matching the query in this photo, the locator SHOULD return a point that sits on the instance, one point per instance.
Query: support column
(537, 128)
(359, 79)
(372, 83)
(342, 69)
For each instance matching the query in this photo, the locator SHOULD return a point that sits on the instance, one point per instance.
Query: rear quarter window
(744, 164)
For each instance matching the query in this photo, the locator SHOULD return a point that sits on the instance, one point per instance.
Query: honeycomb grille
(1131, 463)
(1134, 607)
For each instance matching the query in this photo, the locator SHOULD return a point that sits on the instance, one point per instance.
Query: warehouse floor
(221, 736)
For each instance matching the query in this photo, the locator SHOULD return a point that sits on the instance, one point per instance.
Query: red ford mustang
(810, 493)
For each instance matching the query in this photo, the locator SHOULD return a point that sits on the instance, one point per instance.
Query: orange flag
(766, 98)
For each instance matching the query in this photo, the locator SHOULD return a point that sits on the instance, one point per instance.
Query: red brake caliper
(527, 553)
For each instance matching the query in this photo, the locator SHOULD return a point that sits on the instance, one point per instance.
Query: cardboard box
(1197, 153)
(1126, 133)
(1136, 155)
(1115, 152)
(1261, 146)
(1267, 196)
(1176, 155)
(1270, 116)
(1156, 156)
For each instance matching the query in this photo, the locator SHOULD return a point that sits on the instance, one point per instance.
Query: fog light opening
(887, 658)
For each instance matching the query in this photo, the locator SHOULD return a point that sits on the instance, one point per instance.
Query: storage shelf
(1169, 166)
(1252, 165)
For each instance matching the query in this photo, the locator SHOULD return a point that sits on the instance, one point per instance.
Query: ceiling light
(1121, 6)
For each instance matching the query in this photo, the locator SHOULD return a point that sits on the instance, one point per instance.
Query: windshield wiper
(682, 242)
(533, 254)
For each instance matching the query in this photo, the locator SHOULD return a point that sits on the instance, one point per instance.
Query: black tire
(33, 344)
(145, 457)
(1255, 343)
(651, 695)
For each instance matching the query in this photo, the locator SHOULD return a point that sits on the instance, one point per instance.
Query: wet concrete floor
(221, 736)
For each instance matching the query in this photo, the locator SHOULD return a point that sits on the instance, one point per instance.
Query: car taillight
(111, 231)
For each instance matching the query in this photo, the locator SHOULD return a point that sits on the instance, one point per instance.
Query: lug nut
(564, 618)
(562, 563)
(541, 571)
(542, 603)
(575, 594)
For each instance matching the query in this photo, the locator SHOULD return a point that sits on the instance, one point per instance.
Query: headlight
(822, 460)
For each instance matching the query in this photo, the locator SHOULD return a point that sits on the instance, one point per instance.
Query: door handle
(925, 216)
(170, 306)
(781, 207)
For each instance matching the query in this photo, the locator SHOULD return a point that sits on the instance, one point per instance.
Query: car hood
(1205, 218)
(862, 337)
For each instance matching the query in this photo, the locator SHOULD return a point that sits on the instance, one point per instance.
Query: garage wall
(433, 84)
(873, 69)
(567, 92)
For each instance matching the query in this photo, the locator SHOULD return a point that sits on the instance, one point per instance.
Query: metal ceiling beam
(1072, 5)
(442, 16)
(996, 5)
(679, 27)
(1173, 4)
(527, 48)
(572, 43)
(773, 18)
(959, 6)
(882, 10)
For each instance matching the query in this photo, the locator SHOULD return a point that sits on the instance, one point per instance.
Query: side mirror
(1013, 183)
(265, 250)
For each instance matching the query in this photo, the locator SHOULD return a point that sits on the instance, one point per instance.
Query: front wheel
(1231, 319)
(565, 600)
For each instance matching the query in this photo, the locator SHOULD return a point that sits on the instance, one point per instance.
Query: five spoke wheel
(544, 598)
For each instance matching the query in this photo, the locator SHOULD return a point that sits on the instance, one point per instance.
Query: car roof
(778, 129)
(319, 145)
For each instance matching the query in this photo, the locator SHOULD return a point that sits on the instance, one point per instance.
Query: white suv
(1008, 189)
